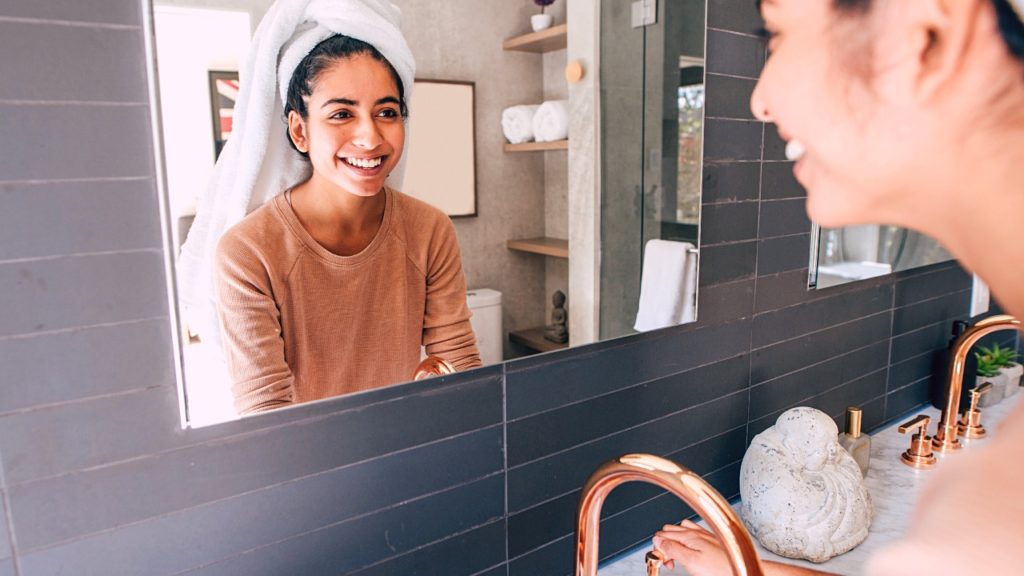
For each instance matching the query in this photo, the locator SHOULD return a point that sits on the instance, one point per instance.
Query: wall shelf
(554, 38)
(555, 247)
(537, 146)
(533, 338)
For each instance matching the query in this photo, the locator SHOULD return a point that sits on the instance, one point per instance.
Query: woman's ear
(297, 131)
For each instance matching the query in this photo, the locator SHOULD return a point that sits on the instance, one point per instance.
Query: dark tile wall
(473, 474)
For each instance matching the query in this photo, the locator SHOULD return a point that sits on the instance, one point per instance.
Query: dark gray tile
(728, 97)
(621, 364)
(740, 16)
(860, 392)
(72, 63)
(783, 254)
(725, 302)
(731, 140)
(496, 571)
(553, 476)
(774, 145)
(778, 182)
(730, 182)
(790, 356)
(902, 402)
(732, 222)
(781, 290)
(734, 54)
(73, 505)
(465, 554)
(784, 218)
(285, 530)
(93, 361)
(927, 339)
(727, 263)
(105, 11)
(556, 430)
(81, 291)
(944, 309)
(78, 217)
(788, 323)
(931, 282)
(58, 142)
(909, 371)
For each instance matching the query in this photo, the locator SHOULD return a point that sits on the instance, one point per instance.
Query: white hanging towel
(257, 163)
(668, 286)
(517, 123)
(551, 122)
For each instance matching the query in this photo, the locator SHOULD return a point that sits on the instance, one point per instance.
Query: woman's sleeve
(251, 329)
(446, 329)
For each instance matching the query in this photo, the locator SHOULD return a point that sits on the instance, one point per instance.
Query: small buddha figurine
(803, 496)
(557, 331)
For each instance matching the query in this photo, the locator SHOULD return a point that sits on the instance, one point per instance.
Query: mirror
(512, 205)
(843, 255)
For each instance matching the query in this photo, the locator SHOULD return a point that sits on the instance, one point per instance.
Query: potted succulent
(989, 372)
(541, 21)
(1006, 359)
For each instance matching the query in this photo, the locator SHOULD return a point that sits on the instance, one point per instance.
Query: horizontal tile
(944, 309)
(622, 363)
(791, 389)
(732, 140)
(725, 302)
(909, 371)
(777, 291)
(787, 323)
(106, 497)
(5, 537)
(734, 54)
(282, 531)
(7, 568)
(859, 392)
(736, 16)
(102, 11)
(774, 145)
(779, 359)
(916, 286)
(73, 63)
(87, 147)
(778, 182)
(902, 402)
(784, 218)
(730, 182)
(728, 97)
(553, 476)
(783, 254)
(496, 571)
(727, 262)
(732, 222)
(93, 361)
(928, 339)
(465, 554)
(81, 291)
(79, 217)
(537, 436)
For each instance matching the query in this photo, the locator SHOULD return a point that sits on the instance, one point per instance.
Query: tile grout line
(68, 23)
(504, 452)
(9, 519)
(36, 259)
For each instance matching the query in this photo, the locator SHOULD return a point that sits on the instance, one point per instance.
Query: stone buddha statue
(803, 495)
(557, 331)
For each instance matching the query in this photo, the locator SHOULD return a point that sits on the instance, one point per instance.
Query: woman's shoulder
(260, 229)
(418, 218)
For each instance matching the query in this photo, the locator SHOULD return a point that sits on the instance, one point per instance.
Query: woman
(332, 286)
(910, 112)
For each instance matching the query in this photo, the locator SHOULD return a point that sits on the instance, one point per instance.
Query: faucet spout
(945, 439)
(689, 487)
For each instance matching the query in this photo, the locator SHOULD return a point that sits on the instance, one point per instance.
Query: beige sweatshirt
(301, 323)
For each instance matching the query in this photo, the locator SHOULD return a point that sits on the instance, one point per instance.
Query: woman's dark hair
(1010, 25)
(321, 57)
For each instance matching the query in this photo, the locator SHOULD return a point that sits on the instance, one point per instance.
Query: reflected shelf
(533, 338)
(556, 247)
(549, 40)
(537, 146)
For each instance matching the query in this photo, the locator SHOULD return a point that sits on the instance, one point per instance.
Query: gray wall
(473, 474)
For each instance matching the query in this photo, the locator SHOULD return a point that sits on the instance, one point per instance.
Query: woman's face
(355, 132)
(820, 88)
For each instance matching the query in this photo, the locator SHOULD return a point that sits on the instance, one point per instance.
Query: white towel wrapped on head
(668, 286)
(551, 122)
(517, 123)
(257, 163)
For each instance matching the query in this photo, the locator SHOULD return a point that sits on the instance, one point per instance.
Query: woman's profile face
(355, 132)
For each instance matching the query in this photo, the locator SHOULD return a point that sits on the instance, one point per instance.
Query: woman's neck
(340, 221)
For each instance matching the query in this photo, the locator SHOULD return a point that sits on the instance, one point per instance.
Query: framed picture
(441, 162)
(223, 95)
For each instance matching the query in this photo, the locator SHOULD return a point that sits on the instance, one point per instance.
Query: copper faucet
(945, 439)
(691, 488)
(433, 366)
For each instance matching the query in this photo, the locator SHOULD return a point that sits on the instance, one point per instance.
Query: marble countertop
(894, 488)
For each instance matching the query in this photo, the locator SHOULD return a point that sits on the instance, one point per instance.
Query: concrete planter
(996, 394)
(1013, 379)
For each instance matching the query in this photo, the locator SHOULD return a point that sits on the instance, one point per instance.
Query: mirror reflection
(843, 255)
(366, 239)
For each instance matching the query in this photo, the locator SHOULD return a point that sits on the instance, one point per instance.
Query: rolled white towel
(551, 122)
(517, 123)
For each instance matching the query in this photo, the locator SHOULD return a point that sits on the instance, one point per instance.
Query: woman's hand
(694, 548)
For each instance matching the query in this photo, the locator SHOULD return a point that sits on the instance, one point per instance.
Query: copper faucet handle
(919, 455)
(969, 425)
(433, 366)
(976, 393)
(655, 560)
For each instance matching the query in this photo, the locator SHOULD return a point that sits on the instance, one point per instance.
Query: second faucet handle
(970, 423)
(919, 455)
